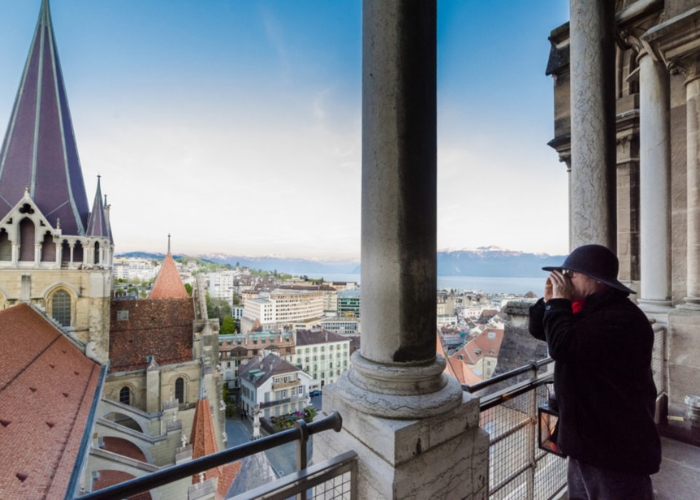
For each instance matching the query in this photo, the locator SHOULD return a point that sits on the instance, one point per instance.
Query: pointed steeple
(97, 223)
(39, 150)
(168, 284)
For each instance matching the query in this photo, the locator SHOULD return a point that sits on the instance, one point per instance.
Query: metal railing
(518, 468)
(333, 479)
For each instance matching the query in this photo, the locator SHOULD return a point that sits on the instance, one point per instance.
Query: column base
(691, 303)
(406, 391)
(444, 456)
(656, 309)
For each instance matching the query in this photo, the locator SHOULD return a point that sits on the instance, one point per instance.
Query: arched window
(48, 248)
(125, 395)
(26, 240)
(60, 307)
(78, 252)
(97, 253)
(180, 390)
(5, 246)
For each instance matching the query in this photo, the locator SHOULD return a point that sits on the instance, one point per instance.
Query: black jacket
(602, 380)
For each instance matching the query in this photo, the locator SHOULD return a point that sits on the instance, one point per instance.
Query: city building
(322, 354)
(330, 295)
(275, 385)
(349, 304)
(234, 348)
(341, 326)
(135, 269)
(287, 309)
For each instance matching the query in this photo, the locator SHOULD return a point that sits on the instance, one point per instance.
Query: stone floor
(679, 477)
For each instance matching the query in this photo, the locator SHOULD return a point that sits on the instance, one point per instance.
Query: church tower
(55, 253)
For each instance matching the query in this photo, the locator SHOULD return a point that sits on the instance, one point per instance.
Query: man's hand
(548, 290)
(561, 286)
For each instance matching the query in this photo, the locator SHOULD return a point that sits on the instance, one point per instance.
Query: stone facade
(657, 225)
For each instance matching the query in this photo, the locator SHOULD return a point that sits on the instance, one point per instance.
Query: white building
(221, 285)
(132, 268)
(279, 387)
(341, 326)
(322, 354)
(283, 308)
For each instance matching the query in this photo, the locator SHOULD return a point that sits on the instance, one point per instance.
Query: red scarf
(577, 305)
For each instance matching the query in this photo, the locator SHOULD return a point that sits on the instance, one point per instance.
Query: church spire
(39, 150)
(97, 223)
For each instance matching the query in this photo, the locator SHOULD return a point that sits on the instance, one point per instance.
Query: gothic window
(180, 390)
(26, 240)
(5, 246)
(48, 248)
(97, 253)
(78, 252)
(60, 307)
(65, 251)
(125, 396)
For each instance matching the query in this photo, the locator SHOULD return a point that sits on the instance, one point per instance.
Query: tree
(188, 287)
(228, 325)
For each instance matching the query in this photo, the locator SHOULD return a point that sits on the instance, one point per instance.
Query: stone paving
(679, 477)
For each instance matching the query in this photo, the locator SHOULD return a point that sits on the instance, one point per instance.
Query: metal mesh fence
(338, 488)
(658, 359)
(518, 468)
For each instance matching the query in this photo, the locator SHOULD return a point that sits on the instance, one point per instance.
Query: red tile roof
(111, 477)
(47, 386)
(123, 447)
(203, 441)
(161, 328)
(168, 283)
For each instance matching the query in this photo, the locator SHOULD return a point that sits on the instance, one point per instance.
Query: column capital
(676, 42)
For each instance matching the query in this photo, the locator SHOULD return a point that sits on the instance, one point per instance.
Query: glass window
(180, 390)
(125, 396)
(60, 305)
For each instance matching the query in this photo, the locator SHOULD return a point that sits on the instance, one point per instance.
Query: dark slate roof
(261, 371)
(97, 223)
(307, 337)
(39, 150)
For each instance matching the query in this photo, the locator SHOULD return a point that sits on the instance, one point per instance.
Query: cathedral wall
(89, 292)
(679, 232)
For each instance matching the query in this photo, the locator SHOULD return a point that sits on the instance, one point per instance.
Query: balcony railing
(518, 468)
(333, 479)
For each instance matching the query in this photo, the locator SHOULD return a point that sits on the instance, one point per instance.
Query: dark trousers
(592, 483)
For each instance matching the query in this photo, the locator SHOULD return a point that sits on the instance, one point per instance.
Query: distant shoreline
(500, 284)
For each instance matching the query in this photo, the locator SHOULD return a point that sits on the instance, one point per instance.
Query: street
(282, 459)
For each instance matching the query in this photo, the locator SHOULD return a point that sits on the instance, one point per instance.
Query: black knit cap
(595, 261)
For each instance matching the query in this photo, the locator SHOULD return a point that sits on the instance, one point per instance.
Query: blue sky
(235, 124)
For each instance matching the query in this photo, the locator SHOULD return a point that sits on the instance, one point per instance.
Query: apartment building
(322, 354)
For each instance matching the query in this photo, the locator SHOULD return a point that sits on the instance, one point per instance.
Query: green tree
(228, 325)
(188, 287)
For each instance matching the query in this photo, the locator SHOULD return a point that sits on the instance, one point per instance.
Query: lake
(486, 284)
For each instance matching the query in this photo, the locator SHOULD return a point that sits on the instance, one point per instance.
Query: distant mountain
(494, 262)
(290, 266)
(481, 262)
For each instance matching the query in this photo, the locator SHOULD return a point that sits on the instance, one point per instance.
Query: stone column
(71, 245)
(37, 254)
(692, 92)
(407, 420)
(15, 254)
(654, 184)
(59, 252)
(592, 50)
